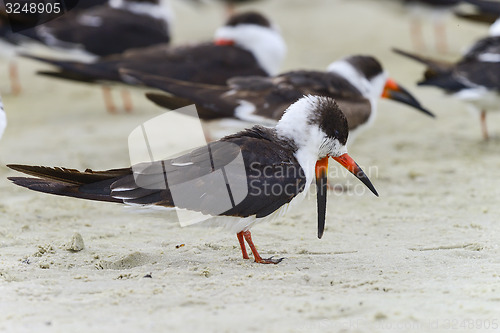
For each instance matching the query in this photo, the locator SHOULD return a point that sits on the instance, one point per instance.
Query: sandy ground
(423, 257)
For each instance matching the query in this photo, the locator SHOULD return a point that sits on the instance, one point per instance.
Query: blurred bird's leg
(416, 34)
(483, 125)
(127, 100)
(242, 245)
(256, 255)
(440, 32)
(230, 10)
(108, 99)
(15, 84)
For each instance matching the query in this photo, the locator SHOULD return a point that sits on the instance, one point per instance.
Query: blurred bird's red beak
(394, 91)
(224, 42)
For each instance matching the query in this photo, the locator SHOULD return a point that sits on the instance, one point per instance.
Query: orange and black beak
(396, 92)
(322, 184)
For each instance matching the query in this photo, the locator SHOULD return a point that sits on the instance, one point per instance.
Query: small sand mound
(75, 244)
(130, 261)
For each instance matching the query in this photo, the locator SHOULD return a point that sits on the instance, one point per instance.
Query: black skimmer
(248, 44)
(81, 5)
(286, 158)
(355, 82)
(474, 79)
(109, 29)
(3, 119)
(437, 11)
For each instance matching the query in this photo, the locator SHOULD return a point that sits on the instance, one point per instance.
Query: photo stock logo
(170, 152)
(26, 14)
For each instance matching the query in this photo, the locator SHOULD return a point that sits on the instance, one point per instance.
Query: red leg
(242, 245)
(483, 125)
(256, 255)
(14, 78)
(127, 100)
(108, 99)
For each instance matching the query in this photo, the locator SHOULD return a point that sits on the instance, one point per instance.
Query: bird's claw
(269, 260)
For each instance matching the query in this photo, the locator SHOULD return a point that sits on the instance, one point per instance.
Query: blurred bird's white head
(363, 72)
(253, 32)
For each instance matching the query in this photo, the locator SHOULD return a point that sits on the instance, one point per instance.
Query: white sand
(424, 257)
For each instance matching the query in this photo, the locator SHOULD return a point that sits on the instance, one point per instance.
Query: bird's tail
(205, 96)
(437, 66)
(90, 185)
(438, 73)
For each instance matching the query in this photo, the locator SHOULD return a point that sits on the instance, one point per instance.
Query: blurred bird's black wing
(104, 31)
(203, 63)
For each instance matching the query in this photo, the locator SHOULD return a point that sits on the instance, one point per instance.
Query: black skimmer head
(318, 129)
(255, 33)
(367, 75)
(285, 159)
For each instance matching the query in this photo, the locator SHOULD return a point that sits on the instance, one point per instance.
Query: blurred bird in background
(248, 44)
(475, 78)
(105, 30)
(19, 27)
(356, 83)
